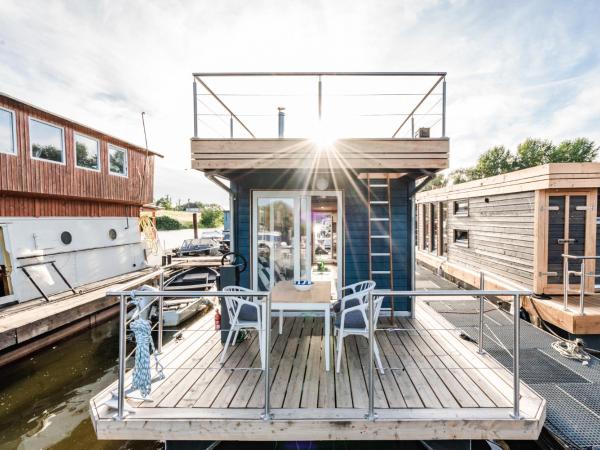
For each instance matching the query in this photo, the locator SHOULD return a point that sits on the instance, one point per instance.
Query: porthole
(112, 233)
(66, 237)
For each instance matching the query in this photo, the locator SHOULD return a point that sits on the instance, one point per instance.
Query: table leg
(327, 336)
(281, 321)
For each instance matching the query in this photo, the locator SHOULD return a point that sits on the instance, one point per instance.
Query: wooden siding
(501, 232)
(23, 175)
(24, 206)
(355, 227)
(363, 154)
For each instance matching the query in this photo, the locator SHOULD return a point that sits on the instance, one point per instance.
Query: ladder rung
(378, 202)
(379, 219)
(378, 185)
(380, 254)
(380, 272)
(380, 236)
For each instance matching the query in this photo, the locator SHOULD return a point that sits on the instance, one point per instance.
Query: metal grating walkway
(571, 389)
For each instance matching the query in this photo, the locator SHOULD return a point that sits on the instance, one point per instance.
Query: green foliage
(578, 150)
(47, 152)
(497, 160)
(211, 216)
(436, 182)
(165, 202)
(533, 152)
(167, 223)
(84, 159)
(116, 159)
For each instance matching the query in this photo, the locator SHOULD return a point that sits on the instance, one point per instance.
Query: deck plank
(296, 382)
(312, 379)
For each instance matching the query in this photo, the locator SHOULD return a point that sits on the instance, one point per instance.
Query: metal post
(195, 90)
(444, 108)
(371, 413)
(516, 354)
(582, 287)
(320, 97)
(231, 126)
(281, 121)
(122, 352)
(481, 311)
(565, 283)
(267, 347)
(413, 267)
(161, 285)
(412, 127)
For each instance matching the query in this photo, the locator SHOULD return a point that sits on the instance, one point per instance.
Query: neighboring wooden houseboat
(514, 228)
(341, 212)
(70, 199)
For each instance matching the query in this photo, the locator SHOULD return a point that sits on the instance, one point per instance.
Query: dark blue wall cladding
(356, 223)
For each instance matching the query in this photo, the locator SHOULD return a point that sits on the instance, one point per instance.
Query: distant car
(202, 246)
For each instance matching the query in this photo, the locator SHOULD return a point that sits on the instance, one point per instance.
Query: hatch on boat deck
(436, 386)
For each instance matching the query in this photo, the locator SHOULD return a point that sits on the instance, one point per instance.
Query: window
(117, 160)
(8, 134)
(87, 152)
(461, 237)
(461, 208)
(46, 141)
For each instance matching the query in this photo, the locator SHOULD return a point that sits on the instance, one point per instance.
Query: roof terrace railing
(339, 104)
(582, 274)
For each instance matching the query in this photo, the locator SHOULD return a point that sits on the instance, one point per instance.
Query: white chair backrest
(232, 302)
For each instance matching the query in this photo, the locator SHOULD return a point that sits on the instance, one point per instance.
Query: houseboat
(524, 230)
(331, 212)
(70, 199)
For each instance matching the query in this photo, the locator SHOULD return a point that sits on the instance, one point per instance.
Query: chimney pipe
(281, 117)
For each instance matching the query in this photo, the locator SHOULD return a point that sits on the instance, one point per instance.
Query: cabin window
(8, 133)
(46, 141)
(461, 237)
(87, 152)
(117, 160)
(461, 208)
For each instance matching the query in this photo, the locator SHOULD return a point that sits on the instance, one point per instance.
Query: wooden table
(285, 297)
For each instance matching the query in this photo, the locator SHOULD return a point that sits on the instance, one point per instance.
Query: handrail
(582, 278)
(477, 295)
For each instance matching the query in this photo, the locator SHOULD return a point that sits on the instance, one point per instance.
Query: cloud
(514, 69)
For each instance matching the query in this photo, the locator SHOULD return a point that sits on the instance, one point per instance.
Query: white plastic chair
(243, 314)
(362, 288)
(354, 320)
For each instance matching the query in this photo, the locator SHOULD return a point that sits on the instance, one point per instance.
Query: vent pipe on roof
(281, 117)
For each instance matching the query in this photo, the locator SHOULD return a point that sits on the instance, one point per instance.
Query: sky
(516, 69)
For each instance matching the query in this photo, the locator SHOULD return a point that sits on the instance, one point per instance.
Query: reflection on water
(44, 398)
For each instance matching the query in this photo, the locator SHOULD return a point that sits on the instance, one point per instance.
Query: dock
(436, 386)
(32, 325)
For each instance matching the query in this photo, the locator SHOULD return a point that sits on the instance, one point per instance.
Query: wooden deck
(552, 311)
(440, 389)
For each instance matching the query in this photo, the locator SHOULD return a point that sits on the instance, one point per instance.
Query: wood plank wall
(23, 175)
(501, 235)
(23, 206)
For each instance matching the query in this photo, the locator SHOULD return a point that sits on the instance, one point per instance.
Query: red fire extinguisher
(217, 320)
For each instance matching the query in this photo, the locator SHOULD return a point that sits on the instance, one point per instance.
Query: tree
(439, 181)
(164, 202)
(497, 160)
(463, 175)
(167, 223)
(578, 150)
(534, 152)
(211, 216)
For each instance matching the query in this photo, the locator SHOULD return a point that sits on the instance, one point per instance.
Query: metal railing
(478, 295)
(582, 274)
(158, 297)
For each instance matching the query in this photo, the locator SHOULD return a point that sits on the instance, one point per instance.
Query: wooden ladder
(380, 233)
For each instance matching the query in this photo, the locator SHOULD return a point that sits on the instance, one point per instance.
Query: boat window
(461, 237)
(87, 152)
(8, 134)
(461, 208)
(46, 141)
(117, 160)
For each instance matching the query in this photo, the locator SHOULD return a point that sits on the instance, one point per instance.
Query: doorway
(295, 237)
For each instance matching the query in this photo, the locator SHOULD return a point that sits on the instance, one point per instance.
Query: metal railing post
(565, 283)
(122, 352)
(582, 287)
(481, 308)
(371, 413)
(267, 347)
(444, 108)
(161, 304)
(195, 93)
(516, 353)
